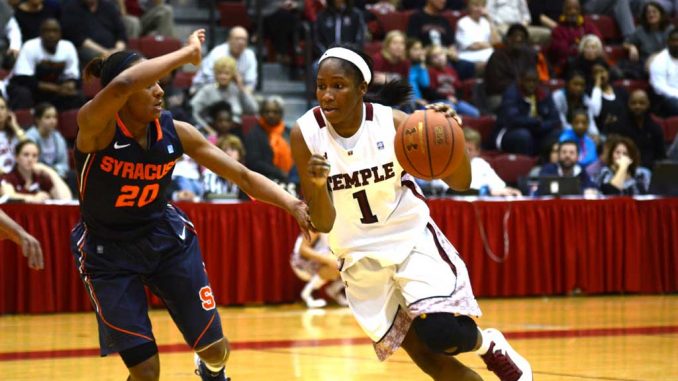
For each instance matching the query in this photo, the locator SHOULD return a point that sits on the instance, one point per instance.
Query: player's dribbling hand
(445, 108)
(318, 169)
(195, 40)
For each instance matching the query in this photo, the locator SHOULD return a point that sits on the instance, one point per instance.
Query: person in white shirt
(47, 70)
(664, 75)
(504, 13)
(235, 47)
(475, 35)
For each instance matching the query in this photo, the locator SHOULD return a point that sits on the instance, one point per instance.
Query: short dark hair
(517, 28)
(568, 141)
(19, 147)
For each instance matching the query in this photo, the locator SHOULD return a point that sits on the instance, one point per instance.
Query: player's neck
(351, 125)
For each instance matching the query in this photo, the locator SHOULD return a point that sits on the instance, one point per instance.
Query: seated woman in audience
(624, 175)
(608, 103)
(53, 149)
(229, 87)
(527, 118)
(579, 120)
(590, 52)
(217, 187)
(572, 27)
(476, 35)
(650, 36)
(391, 63)
(31, 181)
(313, 262)
(10, 135)
(574, 96)
(444, 82)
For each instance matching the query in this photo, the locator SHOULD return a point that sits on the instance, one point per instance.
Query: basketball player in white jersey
(313, 262)
(405, 282)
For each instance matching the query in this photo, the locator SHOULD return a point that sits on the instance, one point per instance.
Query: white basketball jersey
(380, 212)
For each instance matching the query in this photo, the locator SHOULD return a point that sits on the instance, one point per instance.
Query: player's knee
(142, 362)
(445, 333)
(216, 353)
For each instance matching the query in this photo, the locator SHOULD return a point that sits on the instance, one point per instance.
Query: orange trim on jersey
(122, 126)
(83, 181)
(158, 129)
(204, 330)
(93, 295)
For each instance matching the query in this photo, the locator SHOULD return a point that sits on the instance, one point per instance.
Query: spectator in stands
(548, 154)
(418, 74)
(95, 27)
(187, 182)
(154, 17)
(574, 96)
(235, 47)
(10, 36)
(217, 187)
(579, 120)
(280, 20)
(528, 118)
(572, 27)
(221, 122)
(664, 76)
(175, 99)
(10, 135)
(130, 21)
(430, 27)
(546, 13)
(594, 169)
(339, 22)
(266, 150)
(31, 181)
(620, 10)
(670, 6)
(589, 53)
(444, 82)
(30, 15)
(567, 167)
(476, 35)
(505, 13)
(455, 5)
(640, 127)
(507, 63)
(623, 175)
(47, 70)
(53, 149)
(391, 64)
(651, 36)
(483, 175)
(229, 87)
(608, 104)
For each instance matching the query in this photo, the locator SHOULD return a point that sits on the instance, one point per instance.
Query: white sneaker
(503, 360)
(313, 303)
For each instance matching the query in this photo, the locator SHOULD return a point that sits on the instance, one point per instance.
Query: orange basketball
(429, 145)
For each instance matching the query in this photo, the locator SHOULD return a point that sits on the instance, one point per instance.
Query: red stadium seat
(133, 44)
(468, 87)
(632, 84)
(394, 21)
(68, 124)
(511, 167)
(154, 46)
(615, 53)
(453, 17)
(24, 117)
(183, 79)
(670, 129)
(248, 121)
(91, 87)
(234, 14)
(373, 47)
(607, 26)
(483, 124)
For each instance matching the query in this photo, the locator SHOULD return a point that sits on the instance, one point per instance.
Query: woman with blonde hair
(391, 62)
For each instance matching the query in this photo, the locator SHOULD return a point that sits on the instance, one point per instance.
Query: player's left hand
(300, 212)
(31, 249)
(445, 108)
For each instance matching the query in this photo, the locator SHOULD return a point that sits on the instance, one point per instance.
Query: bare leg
(439, 367)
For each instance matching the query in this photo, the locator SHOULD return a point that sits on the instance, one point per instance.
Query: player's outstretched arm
(252, 183)
(96, 118)
(30, 246)
(313, 172)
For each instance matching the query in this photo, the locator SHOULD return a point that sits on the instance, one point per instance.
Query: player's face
(48, 121)
(337, 91)
(146, 105)
(28, 156)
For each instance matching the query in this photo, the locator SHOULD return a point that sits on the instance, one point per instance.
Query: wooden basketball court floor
(621, 338)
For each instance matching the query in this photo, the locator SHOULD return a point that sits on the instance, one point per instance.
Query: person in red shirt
(444, 83)
(391, 62)
(572, 26)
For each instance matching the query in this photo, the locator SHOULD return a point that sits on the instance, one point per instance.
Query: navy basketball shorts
(168, 261)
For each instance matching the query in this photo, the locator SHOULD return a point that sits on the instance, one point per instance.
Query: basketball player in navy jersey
(405, 282)
(129, 236)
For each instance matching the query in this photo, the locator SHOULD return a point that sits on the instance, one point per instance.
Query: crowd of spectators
(579, 97)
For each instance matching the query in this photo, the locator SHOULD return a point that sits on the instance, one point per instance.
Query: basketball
(429, 145)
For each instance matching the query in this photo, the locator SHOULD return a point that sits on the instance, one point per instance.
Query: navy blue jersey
(122, 187)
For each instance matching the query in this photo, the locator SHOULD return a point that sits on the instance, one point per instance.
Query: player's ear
(363, 88)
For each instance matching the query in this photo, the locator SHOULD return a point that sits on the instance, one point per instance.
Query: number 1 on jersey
(368, 216)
